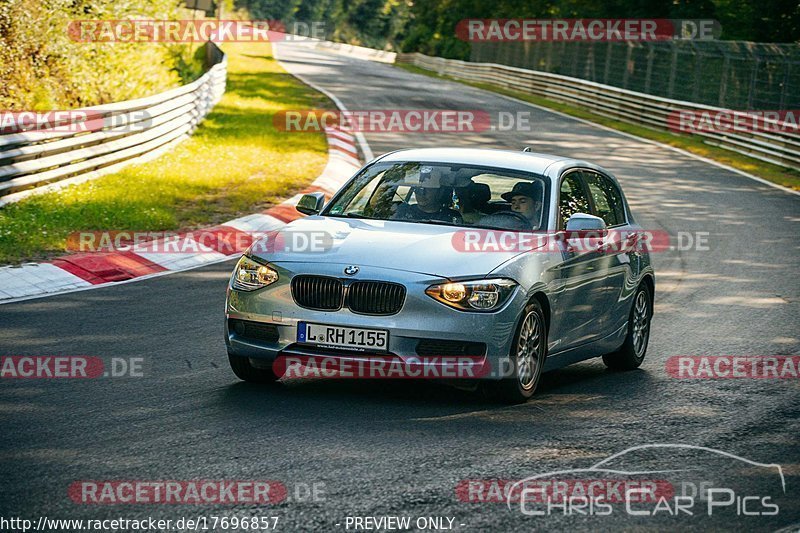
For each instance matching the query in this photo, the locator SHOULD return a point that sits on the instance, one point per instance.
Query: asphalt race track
(400, 448)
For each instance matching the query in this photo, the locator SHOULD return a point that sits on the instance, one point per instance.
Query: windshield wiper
(351, 215)
(438, 222)
(515, 230)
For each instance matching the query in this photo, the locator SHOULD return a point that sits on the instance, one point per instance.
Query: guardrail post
(698, 71)
(528, 62)
(609, 48)
(209, 55)
(672, 72)
(650, 54)
(785, 86)
(723, 81)
(626, 72)
(589, 69)
(575, 61)
(753, 78)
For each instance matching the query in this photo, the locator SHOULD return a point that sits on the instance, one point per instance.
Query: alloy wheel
(529, 349)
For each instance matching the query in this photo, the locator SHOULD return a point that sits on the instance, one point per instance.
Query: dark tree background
(428, 26)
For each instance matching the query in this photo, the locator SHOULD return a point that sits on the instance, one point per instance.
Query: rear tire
(528, 353)
(246, 372)
(633, 350)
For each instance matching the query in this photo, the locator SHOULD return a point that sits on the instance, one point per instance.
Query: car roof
(512, 160)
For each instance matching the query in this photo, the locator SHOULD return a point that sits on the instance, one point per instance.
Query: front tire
(247, 372)
(633, 350)
(528, 353)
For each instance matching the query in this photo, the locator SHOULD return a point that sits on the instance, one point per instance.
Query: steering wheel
(513, 220)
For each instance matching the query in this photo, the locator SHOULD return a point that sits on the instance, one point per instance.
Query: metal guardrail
(359, 52)
(782, 148)
(729, 74)
(148, 127)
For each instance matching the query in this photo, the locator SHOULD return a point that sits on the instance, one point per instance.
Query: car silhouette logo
(351, 270)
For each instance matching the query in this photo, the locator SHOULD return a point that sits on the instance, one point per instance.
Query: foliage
(373, 23)
(428, 26)
(42, 68)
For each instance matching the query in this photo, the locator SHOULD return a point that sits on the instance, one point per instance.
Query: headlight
(478, 295)
(250, 275)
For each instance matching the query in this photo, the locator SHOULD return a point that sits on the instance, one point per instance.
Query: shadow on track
(400, 399)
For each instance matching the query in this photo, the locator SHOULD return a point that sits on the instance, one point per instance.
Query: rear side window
(572, 198)
(606, 198)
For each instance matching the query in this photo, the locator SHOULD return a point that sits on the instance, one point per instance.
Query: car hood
(411, 247)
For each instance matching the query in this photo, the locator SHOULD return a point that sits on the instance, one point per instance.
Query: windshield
(447, 194)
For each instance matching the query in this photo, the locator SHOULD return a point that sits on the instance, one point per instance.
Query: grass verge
(768, 171)
(236, 163)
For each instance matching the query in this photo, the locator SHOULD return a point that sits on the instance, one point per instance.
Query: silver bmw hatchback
(516, 262)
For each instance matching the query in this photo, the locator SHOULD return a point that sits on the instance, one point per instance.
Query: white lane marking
(362, 141)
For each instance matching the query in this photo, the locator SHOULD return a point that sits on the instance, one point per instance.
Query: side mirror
(582, 226)
(311, 204)
(582, 222)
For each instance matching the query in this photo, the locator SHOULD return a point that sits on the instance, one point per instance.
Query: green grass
(768, 171)
(236, 163)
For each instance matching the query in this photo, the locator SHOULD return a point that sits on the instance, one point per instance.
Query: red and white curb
(82, 271)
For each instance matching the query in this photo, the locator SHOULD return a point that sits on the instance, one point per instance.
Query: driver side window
(572, 198)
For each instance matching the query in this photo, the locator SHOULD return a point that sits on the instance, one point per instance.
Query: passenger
(526, 199)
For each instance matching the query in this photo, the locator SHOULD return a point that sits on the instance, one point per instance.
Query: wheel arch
(544, 302)
(650, 283)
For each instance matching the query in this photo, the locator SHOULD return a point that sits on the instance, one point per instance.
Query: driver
(432, 201)
(526, 199)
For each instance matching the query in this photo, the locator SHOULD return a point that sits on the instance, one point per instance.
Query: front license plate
(357, 339)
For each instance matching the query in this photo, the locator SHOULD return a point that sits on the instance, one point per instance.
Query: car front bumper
(262, 324)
